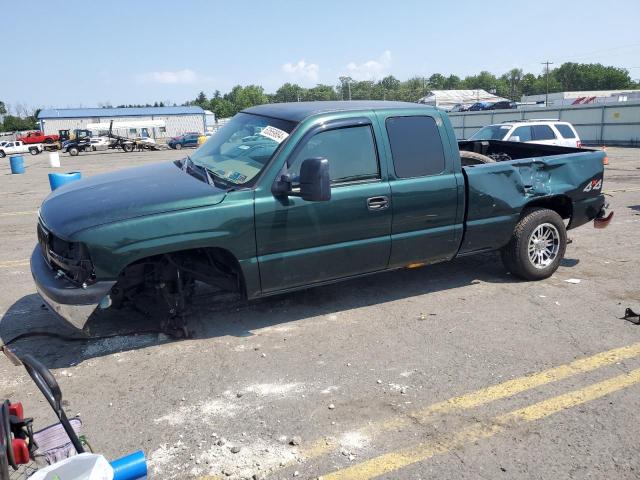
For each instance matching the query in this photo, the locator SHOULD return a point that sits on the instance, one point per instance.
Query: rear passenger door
(426, 193)
(523, 134)
(543, 134)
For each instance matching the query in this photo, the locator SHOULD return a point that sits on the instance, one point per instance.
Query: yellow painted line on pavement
(393, 461)
(492, 393)
(14, 263)
(15, 214)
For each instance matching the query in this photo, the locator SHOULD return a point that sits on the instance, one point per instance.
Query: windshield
(241, 149)
(492, 132)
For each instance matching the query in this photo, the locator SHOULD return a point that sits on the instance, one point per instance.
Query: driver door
(303, 243)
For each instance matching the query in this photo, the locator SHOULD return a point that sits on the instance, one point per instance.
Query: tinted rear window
(523, 133)
(565, 130)
(542, 132)
(416, 146)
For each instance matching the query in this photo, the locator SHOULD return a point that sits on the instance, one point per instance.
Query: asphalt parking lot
(455, 370)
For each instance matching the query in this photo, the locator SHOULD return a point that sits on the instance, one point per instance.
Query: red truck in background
(38, 137)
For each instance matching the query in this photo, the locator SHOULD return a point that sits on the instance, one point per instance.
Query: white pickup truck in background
(12, 148)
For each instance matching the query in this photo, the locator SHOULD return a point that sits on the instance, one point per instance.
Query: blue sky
(88, 53)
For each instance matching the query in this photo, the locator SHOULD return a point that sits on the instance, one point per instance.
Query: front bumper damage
(72, 303)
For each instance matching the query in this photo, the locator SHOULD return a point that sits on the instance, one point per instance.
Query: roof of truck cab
(298, 111)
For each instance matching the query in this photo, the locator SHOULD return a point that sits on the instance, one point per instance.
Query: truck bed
(526, 175)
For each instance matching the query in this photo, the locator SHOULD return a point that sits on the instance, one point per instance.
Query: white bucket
(54, 160)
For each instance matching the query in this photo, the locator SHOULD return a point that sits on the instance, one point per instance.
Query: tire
(2, 154)
(34, 151)
(537, 245)
(48, 140)
(473, 158)
(178, 146)
(127, 147)
(73, 151)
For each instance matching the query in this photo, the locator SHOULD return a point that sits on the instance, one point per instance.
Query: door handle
(377, 203)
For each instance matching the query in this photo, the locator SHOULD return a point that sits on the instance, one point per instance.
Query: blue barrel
(131, 467)
(57, 180)
(17, 163)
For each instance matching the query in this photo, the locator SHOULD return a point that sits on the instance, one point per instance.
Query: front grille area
(69, 258)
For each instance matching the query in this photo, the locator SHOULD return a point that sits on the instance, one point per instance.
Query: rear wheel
(34, 151)
(537, 245)
(73, 151)
(2, 154)
(178, 146)
(473, 158)
(48, 140)
(127, 147)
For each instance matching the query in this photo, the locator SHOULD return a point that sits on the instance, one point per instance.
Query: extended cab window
(351, 152)
(524, 133)
(565, 130)
(416, 146)
(543, 132)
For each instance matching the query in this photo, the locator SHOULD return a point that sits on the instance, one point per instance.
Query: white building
(586, 97)
(177, 120)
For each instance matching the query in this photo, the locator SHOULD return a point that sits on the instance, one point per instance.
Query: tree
(484, 80)
(592, 76)
(320, 92)
(453, 82)
(3, 109)
(513, 77)
(201, 100)
(437, 81)
(245, 97)
(289, 92)
(345, 87)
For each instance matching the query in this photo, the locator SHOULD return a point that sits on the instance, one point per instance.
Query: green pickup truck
(288, 196)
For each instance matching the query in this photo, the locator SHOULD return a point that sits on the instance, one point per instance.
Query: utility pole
(546, 77)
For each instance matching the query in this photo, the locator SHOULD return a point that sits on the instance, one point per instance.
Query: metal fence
(617, 124)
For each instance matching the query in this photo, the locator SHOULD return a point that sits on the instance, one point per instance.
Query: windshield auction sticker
(274, 133)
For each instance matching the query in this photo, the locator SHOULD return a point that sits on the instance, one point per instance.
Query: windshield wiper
(209, 177)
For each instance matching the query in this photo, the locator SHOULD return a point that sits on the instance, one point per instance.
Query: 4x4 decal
(595, 184)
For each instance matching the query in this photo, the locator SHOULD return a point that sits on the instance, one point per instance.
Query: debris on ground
(573, 280)
(631, 316)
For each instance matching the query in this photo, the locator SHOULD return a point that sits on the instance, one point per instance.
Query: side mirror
(315, 182)
(514, 138)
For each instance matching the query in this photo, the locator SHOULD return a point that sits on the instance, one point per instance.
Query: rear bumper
(604, 217)
(586, 210)
(71, 303)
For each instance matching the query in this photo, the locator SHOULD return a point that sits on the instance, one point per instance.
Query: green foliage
(12, 123)
(512, 84)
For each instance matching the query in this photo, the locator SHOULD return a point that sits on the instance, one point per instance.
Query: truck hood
(124, 194)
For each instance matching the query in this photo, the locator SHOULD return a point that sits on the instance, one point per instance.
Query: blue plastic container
(57, 180)
(17, 164)
(131, 467)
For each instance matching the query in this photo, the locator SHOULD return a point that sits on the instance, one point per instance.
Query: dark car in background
(186, 140)
(478, 106)
(503, 105)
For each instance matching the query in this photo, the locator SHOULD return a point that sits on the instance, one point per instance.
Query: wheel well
(214, 266)
(560, 204)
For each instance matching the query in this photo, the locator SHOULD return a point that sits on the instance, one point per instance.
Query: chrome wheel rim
(544, 245)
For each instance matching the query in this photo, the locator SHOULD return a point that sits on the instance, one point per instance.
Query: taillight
(578, 144)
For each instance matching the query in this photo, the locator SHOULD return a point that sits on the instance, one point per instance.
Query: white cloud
(185, 76)
(371, 69)
(302, 70)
